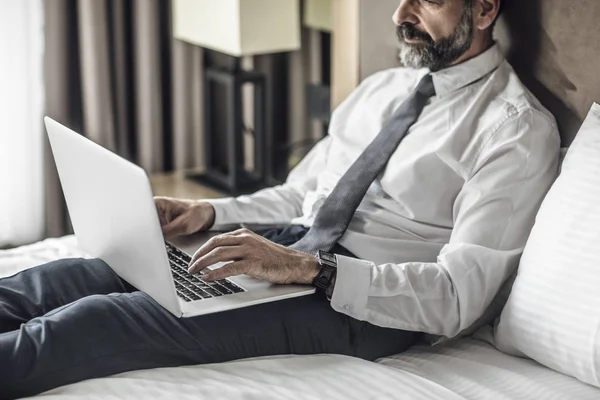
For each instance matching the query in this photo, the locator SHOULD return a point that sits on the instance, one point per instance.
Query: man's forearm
(275, 205)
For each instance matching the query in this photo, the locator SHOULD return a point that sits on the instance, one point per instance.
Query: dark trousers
(75, 319)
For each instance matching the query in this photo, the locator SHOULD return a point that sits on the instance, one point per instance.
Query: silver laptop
(112, 209)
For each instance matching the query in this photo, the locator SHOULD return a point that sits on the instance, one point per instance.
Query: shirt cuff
(352, 284)
(225, 219)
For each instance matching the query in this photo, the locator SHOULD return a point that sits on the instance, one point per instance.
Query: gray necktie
(337, 210)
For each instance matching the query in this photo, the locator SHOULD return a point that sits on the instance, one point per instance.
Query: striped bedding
(468, 369)
(473, 369)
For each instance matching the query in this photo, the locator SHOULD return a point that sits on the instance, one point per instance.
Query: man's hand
(183, 217)
(255, 256)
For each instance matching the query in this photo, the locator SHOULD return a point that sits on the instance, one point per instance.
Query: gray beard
(443, 53)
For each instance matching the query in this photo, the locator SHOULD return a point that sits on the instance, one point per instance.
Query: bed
(543, 53)
(466, 369)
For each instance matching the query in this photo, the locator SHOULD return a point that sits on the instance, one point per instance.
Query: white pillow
(553, 312)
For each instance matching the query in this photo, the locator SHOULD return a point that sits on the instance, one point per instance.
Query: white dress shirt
(445, 224)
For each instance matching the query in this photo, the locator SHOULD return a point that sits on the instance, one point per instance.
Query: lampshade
(317, 15)
(239, 27)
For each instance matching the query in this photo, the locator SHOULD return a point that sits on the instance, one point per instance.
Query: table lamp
(238, 28)
(318, 15)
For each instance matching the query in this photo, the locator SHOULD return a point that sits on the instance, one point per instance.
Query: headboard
(554, 45)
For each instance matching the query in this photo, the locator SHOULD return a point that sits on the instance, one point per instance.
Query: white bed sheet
(468, 369)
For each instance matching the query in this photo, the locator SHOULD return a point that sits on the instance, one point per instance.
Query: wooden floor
(174, 184)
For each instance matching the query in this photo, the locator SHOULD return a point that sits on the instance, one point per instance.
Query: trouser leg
(102, 335)
(38, 290)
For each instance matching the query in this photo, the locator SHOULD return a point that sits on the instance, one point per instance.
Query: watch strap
(328, 263)
(329, 290)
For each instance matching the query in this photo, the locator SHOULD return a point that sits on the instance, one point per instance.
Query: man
(425, 190)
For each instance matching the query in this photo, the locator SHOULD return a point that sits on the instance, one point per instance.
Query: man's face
(433, 33)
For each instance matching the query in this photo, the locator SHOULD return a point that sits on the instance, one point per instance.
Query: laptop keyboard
(192, 287)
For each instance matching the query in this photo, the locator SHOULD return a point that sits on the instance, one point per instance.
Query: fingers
(162, 204)
(235, 238)
(165, 210)
(175, 228)
(160, 210)
(220, 254)
(232, 269)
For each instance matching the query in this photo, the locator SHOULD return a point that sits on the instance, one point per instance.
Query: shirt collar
(458, 76)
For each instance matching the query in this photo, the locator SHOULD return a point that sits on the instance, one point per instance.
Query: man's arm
(276, 205)
(493, 215)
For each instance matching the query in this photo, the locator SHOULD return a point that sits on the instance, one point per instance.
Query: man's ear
(485, 13)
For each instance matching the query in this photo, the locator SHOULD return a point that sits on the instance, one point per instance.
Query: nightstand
(175, 184)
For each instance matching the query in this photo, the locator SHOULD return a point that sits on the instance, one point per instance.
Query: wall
(554, 45)
(378, 40)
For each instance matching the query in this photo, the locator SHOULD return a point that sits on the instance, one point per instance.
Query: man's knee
(102, 310)
(91, 264)
(92, 270)
(70, 266)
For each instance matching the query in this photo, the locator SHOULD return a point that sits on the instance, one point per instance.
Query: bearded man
(421, 198)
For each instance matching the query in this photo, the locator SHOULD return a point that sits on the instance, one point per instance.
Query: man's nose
(405, 13)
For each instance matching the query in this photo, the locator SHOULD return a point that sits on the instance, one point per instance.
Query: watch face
(327, 257)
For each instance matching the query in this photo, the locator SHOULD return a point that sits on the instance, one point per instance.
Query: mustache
(408, 31)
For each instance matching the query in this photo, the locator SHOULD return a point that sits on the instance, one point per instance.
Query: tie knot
(426, 86)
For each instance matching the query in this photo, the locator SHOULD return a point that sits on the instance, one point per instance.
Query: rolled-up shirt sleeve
(275, 205)
(493, 216)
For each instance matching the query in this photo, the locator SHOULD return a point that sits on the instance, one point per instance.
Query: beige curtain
(114, 74)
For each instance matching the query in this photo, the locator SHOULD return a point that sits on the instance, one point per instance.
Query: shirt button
(347, 307)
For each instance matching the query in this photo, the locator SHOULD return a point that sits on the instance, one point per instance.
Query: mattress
(467, 369)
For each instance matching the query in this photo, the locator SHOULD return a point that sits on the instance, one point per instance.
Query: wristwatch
(326, 276)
